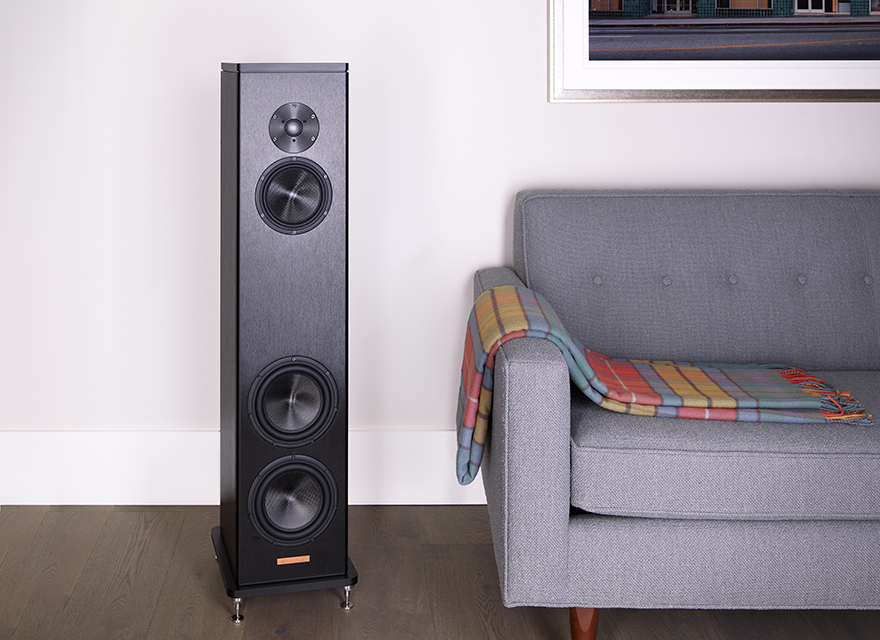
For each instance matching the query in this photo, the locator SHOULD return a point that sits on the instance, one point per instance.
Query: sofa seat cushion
(674, 468)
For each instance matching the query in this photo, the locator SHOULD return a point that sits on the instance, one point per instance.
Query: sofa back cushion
(787, 277)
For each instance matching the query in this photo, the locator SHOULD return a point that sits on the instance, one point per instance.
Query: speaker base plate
(234, 590)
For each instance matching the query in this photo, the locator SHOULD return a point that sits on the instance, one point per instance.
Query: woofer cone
(292, 501)
(293, 402)
(293, 195)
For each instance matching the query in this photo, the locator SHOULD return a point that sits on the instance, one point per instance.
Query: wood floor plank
(455, 524)
(118, 590)
(304, 615)
(193, 603)
(18, 526)
(467, 599)
(392, 598)
(51, 569)
(384, 525)
(844, 625)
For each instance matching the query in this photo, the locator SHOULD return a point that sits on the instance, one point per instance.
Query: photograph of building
(730, 8)
(734, 30)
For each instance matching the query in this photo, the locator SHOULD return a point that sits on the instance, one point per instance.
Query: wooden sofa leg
(584, 623)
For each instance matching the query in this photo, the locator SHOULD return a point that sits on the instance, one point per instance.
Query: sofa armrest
(485, 279)
(526, 471)
(527, 462)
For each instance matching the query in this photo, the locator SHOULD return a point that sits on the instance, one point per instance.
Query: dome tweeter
(294, 127)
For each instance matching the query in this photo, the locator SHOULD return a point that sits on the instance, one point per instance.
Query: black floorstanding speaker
(284, 329)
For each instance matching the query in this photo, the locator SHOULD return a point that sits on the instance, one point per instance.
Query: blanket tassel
(838, 406)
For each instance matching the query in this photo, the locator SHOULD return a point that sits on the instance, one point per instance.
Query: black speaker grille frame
(284, 292)
(294, 195)
(292, 501)
(293, 402)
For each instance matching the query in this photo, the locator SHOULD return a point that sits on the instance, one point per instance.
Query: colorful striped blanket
(749, 393)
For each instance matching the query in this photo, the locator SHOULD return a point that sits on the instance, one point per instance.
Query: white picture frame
(575, 78)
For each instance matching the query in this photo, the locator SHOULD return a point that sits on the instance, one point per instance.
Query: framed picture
(577, 75)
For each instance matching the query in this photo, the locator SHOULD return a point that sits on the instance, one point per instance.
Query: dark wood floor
(425, 573)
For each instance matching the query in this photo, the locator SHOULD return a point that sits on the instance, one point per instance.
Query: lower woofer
(292, 501)
(293, 401)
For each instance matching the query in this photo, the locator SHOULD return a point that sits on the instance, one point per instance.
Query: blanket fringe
(838, 406)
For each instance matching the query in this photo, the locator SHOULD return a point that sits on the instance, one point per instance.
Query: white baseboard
(176, 467)
(407, 466)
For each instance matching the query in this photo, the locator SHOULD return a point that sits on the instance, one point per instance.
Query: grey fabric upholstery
(710, 277)
(721, 564)
(592, 508)
(662, 467)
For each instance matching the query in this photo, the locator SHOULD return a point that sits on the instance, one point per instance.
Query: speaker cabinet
(284, 315)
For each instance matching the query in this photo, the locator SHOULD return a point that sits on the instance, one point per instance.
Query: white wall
(109, 225)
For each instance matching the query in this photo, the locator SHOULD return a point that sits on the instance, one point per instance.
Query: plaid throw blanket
(749, 393)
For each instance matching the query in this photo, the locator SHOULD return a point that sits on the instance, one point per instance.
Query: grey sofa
(595, 509)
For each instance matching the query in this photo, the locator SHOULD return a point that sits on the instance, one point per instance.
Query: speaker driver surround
(294, 195)
(294, 127)
(293, 402)
(292, 500)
